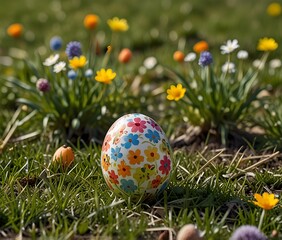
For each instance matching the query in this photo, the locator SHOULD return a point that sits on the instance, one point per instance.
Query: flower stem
(261, 219)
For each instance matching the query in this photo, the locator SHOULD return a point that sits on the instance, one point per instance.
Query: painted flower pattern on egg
(136, 157)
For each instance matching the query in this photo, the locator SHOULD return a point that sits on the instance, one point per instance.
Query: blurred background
(154, 25)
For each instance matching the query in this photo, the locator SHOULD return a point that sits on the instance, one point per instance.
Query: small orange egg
(64, 155)
(125, 55)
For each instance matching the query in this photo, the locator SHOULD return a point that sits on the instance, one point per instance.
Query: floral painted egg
(136, 157)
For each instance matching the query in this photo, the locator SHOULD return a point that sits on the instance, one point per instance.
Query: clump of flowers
(75, 94)
(215, 98)
(271, 121)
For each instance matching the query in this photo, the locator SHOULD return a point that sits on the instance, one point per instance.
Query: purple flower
(72, 74)
(247, 232)
(43, 85)
(56, 43)
(205, 59)
(73, 49)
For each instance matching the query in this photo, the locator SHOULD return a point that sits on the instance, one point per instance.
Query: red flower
(138, 125)
(156, 182)
(113, 177)
(165, 165)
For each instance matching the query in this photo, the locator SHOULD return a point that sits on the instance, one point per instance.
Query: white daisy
(150, 62)
(242, 54)
(275, 63)
(230, 46)
(61, 66)
(51, 60)
(190, 57)
(257, 63)
(228, 67)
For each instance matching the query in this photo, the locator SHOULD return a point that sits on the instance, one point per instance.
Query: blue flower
(129, 140)
(73, 49)
(153, 136)
(205, 59)
(72, 74)
(247, 232)
(56, 43)
(128, 185)
(115, 153)
(88, 73)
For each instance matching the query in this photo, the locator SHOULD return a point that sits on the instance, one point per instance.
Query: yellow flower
(175, 92)
(105, 76)
(265, 201)
(152, 154)
(77, 62)
(118, 25)
(274, 9)
(267, 44)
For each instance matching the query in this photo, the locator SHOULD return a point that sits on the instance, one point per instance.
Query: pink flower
(165, 165)
(138, 125)
(154, 124)
(106, 145)
(43, 85)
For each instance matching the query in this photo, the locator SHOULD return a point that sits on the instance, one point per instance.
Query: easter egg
(136, 157)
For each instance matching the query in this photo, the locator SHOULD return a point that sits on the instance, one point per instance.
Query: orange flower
(106, 162)
(15, 30)
(135, 157)
(125, 55)
(123, 169)
(178, 56)
(266, 201)
(152, 154)
(91, 21)
(201, 46)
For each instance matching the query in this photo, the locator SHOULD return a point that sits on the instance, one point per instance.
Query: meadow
(207, 72)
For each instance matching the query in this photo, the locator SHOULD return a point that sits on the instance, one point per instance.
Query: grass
(208, 188)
